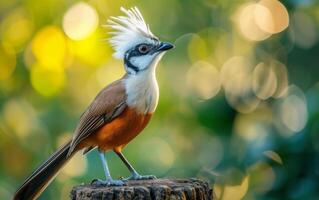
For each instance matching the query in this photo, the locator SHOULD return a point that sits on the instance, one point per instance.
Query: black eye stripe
(127, 61)
(135, 52)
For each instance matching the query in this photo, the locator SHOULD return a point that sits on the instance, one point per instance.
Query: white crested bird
(119, 112)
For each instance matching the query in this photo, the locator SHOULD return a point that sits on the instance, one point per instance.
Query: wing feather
(107, 105)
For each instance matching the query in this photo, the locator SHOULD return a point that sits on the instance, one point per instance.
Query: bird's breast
(121, 130)
(142, 92)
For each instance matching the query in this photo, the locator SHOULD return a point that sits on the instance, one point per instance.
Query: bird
(119, 112)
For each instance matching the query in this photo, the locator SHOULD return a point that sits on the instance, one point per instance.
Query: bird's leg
(109, 181)
(134, 174)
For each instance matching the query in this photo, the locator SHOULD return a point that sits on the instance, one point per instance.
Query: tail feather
(41, 177)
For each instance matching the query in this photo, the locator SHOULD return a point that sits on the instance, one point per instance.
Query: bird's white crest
(129, 31)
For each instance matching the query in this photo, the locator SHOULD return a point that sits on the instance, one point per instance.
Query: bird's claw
(140, 177)
(98, 182)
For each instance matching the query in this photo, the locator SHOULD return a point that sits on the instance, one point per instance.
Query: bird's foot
(110, 182)
(140, 177)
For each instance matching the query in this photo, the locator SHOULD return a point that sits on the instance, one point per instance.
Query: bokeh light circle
(262, 177)
(246, 21)
(254, 127)
(204, 79)
(292, 112)
(47, 82)
(49, 47)
(236, 76)
(7, 61)
(303, 30)
(20, 20)
(19, 110)
(80, 21)
(264, 81)
(281, 73)
(160, 158)
(272, 16)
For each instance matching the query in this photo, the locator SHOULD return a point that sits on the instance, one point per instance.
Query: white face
(145, 56)
(146, 61)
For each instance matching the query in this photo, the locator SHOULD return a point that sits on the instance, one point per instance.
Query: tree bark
(157, 189)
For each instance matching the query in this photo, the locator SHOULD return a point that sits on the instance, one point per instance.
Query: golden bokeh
(16, 28)
(203, 78)
(49, 48)
(262, 177)
(255, 126)
(243, 103)
(236, 76)
(80, 21)
(264, 81)
(160, 158)
(258, 21)
(7, 61)
(272, 16)
(92, 50)
(293, 111)
(47, 82)
(280, 71)
(113, 70)
(227, 113)
(245, 18)
(197, 48)
(28, 57)
(232, 192)
(18, 110)
(77, 166)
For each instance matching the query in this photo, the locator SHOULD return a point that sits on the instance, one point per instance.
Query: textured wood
(158, 189)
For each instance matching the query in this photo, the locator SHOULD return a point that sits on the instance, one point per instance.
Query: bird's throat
(142, 91)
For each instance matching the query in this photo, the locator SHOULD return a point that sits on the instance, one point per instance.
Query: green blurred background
(239, 101)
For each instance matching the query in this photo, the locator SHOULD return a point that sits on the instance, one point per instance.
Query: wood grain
(158, 189)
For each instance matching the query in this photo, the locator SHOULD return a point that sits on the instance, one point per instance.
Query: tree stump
(157, 189)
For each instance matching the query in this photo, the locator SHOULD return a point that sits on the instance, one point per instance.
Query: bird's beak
(164, 46)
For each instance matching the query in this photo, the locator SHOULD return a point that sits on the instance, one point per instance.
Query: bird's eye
(143, 48)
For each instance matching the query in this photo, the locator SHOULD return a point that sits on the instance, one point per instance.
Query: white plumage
(142, 89)
(129, 31)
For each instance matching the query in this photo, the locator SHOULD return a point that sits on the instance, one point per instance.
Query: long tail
(41, 177)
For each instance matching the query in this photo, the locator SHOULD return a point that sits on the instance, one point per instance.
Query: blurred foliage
(239, 100)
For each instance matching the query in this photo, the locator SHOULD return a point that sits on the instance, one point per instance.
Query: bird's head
(134, 42)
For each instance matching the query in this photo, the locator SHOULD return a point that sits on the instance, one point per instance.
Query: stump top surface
(157, 189)
(148, 183)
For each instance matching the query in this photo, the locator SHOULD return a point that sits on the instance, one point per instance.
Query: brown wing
(107, 105)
